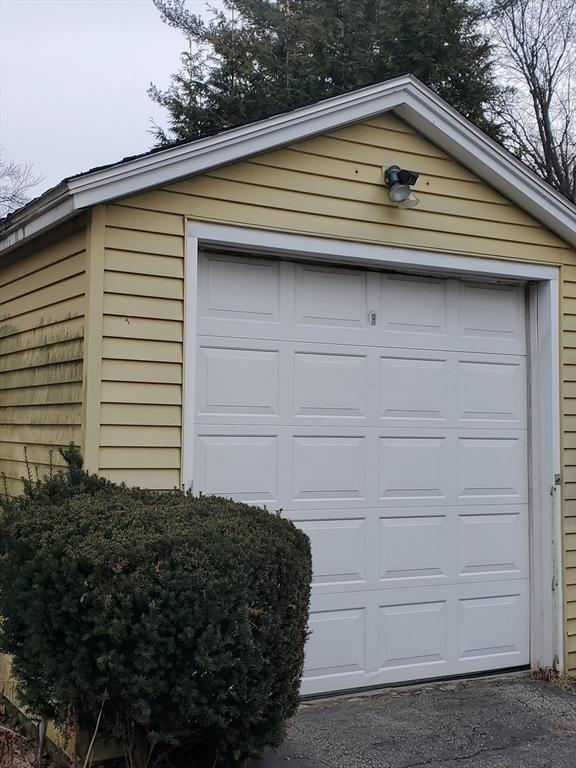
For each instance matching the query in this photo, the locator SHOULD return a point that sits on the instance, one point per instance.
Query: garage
(255, 314)
(386, 415)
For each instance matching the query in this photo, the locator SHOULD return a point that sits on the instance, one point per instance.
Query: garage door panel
(309, 469)
(491, 392)
(414, 634)
(338, 646)
(493, 542)
(492, 467)
(344, 545)
(386, 415)
(236, 382)
(257, 381)
(263, 298)
(240, 466)
(330, 296)
(414, 467)
(330, 384)
(415, 389)
(453, 390)
(339, 550)
(416, 548)
(329, 468)
(239, 288)
(414, 306)
(349, 467)
(493, 626)
(492, 312)
(448, 314)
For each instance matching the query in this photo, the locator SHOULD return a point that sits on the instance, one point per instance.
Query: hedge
(180, 620)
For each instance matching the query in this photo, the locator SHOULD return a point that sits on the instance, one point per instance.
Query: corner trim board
(189, 360)
(93, 329)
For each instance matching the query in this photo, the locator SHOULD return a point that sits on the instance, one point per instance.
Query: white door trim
(546, 627)
(189, 362)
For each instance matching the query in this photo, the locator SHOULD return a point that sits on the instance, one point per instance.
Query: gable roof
(416, 104)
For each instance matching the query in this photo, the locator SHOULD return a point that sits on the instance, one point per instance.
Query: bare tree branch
(537, 46)
(16, 181)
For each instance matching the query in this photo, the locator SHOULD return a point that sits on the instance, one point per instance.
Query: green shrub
(182, 619)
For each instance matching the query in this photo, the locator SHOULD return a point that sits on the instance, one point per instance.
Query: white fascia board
(37, 220)
(237, 144)
(406, 96)
(411, 100)
(467, 144)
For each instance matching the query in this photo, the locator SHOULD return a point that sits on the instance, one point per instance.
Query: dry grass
(16, 749)
(549, 675)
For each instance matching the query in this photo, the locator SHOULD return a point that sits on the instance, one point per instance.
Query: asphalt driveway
(510, 721)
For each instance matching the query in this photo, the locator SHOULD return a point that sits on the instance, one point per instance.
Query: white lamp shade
(410, 202)
(398, 193)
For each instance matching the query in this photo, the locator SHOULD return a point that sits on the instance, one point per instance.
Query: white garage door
(386, 415)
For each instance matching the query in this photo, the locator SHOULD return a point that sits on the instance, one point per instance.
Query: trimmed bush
(180, 620)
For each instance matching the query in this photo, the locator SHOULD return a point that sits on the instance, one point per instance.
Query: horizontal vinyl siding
(569, 455)
(330, 186)
(333, 186)
(41, 351)
(141, 393)
(570, 570)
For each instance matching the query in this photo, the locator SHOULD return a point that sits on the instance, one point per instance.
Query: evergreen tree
(261, 57)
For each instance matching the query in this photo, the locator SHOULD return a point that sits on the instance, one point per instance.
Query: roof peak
(416, 104)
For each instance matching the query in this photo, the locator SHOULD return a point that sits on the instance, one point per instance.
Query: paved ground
(505, 722)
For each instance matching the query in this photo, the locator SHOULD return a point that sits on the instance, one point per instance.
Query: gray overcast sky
(73, 81)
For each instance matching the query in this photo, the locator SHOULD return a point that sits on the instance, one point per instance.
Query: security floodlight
(399, 181)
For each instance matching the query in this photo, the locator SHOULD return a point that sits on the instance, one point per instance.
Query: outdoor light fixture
(399, 180)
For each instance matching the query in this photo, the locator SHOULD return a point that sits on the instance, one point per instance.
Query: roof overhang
(416, 104)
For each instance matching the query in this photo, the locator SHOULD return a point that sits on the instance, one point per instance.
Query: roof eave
(488, 160)
(409, 98)
(52, 208)
(237, 144)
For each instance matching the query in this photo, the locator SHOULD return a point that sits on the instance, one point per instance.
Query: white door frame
(546, 628)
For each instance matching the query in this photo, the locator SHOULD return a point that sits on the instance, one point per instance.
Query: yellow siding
(327, 186)
(41, 351)
(141, 353)
(42, 324)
